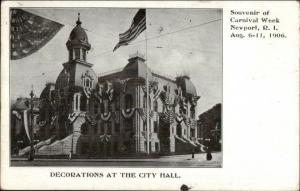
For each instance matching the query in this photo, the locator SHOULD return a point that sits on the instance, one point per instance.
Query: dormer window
(87, 80)
(77, 53)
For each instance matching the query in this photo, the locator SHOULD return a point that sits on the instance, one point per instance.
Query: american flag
(138, 25)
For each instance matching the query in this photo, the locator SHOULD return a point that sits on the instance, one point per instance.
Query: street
(165, 161)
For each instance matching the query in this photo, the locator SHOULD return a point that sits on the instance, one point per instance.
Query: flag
(29, 33)
(138, 25)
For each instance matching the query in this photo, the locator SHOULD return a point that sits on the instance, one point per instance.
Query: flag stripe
(138, 25)
(135, 35)
(132, 29)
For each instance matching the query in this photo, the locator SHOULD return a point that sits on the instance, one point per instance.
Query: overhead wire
(138, 42)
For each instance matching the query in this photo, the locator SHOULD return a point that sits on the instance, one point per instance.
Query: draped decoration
(124, 84)
(91, 120)
(105, 116)
(156, 94)
(187, 122)
(150, 86)
(98, 97)
(128, 113)
(73, 116)
(87, 92)
(194, 100)
(193, 123)
(104, 138)
(143, 113)
(29, 33)
(110, 94)
(53, 119)
(42, 123)
(168, 115)
(168, 98)
(17, 114)
(25, 118)
(179, 118)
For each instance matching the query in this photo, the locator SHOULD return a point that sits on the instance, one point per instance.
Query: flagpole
(147, 90)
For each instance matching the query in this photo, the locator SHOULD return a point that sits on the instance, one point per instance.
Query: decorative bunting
(168, 115)
(157, 94)
(53, 119)
(42, 123)
(105, 116)
(105, 138)
(17, 114)
(179, 118)
(128, 113)
(73, 116)
(143, 113)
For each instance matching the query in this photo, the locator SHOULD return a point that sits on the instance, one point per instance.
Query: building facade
(106, 115)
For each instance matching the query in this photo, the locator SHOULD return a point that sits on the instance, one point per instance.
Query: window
(77, 53)
(128, 124)
(155, 106)
(83, 103)
(117, 127)
(102, 128)
(110, 106)
(83, 54)
(155, 126)
(102, 108)
(117, 103)
(184, 132)
(87, 83)
(109, 129)
(96, 108)
(144, 126)
(70, 54)
(84, 129)
(128, 101)
(192, 112)
(156, 147)
(95, 129)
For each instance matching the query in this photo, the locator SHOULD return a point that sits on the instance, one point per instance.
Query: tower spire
(78, 22)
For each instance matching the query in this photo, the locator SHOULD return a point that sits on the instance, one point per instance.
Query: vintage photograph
(123, 87)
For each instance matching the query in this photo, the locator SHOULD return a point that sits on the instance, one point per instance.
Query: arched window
(155, 106)
(117, 103)
(192, 112)
(128, 101)
(128, 124)
(145, 102)
(84, 129)
(83, 54)
(82, 103)
(95, 108)
(102, 107)
(77, 53)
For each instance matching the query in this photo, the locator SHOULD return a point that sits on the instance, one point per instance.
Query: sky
(181, 41)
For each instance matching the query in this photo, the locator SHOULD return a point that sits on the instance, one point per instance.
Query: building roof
(136, 68)
(78, 36)
(187, 85)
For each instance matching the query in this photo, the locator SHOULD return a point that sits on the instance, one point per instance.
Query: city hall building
(101, 116)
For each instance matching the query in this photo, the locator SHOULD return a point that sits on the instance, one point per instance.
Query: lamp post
(31, 154)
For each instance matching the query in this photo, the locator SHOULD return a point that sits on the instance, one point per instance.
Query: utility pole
(31, 154)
